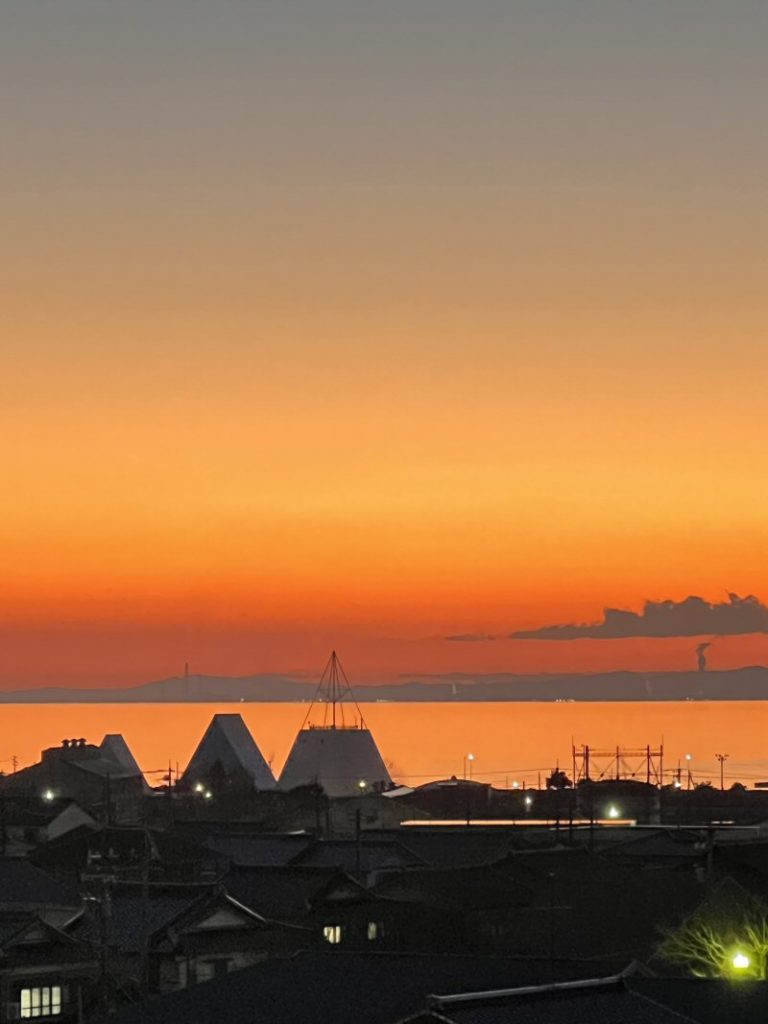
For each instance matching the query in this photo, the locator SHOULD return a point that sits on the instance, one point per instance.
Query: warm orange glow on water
(510, 742)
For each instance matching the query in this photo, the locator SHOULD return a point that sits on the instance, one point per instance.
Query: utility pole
(358, 846)
(722, 758)
(107, 799)
(103, 904)
(169, 792)
(144, 984)
(551, 926)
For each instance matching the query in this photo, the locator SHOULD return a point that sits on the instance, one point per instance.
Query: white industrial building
(330, 751)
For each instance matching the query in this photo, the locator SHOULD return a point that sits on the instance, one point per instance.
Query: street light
(722, 758)
(49, 795)
(613, 811)
(468, 759)
(740, 961)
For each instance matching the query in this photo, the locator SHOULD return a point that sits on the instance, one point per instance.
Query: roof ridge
(504, 993)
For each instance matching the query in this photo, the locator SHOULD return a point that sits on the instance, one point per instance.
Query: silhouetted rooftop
(21, 883)
(341, 988)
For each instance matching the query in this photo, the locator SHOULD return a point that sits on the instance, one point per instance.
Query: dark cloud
(469, 638)
(691, 617)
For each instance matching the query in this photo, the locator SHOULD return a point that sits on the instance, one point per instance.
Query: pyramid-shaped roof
(344, 761)
(114, 747)
(228, 741)
(342, 758)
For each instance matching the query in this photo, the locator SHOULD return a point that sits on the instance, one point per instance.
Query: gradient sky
(365, 323)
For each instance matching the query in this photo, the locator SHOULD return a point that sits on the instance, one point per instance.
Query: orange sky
(319, 348)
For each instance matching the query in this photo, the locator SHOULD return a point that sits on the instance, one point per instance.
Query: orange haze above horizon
(367, 326)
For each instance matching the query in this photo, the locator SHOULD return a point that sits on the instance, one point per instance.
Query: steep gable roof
(228, 741)
(338, 759)
(114, 748)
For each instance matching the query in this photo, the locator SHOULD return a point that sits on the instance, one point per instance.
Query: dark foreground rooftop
(627, 999)
(343, 988)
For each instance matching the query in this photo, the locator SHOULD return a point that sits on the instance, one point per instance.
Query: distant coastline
(748, 684)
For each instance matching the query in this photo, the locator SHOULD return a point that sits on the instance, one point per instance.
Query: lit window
(332, 934)
(41, 1002)
(374, 931)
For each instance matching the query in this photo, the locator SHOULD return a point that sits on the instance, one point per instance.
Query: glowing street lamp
(49, 795)
(361, 785)
(199, 787)
(740, 961)
(468, 759)
(613, 811)
(528, 802)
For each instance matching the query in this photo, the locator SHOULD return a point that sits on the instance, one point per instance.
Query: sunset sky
(368, 324)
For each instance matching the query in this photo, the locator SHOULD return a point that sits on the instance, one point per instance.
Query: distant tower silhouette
(701, 656)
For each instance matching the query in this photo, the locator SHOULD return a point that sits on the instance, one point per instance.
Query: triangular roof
(31, 929)
(345, 762)
(228, 741)
(331, 752)
(114, 747)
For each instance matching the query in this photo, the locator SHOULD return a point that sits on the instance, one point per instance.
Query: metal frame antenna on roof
(333, 689)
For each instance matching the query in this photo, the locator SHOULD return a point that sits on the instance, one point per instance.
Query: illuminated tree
(726, 937)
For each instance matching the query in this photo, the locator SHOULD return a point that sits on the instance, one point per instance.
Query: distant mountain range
(732, 684)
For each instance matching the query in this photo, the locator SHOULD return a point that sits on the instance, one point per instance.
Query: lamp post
(468, 759)
(722, 758)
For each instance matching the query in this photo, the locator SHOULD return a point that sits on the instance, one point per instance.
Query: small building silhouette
(105, 776)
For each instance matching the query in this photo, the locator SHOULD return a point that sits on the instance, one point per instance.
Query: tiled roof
(339, 988)
(368, 854)
(622, 1000)
(258, 850)
(21, 883)
(455, 888)
(280, 894)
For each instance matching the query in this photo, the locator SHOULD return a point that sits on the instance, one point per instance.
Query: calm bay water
(510, 742)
